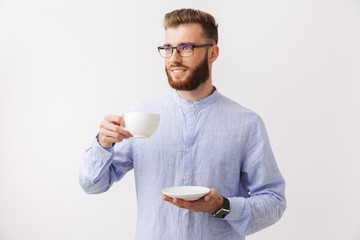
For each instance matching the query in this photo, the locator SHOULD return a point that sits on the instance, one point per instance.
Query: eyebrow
(180, 44)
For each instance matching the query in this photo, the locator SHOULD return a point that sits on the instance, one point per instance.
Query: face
(189, 72)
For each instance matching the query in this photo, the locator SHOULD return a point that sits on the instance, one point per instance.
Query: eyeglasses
(183, 50)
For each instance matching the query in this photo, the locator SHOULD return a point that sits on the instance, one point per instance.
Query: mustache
(177, 65)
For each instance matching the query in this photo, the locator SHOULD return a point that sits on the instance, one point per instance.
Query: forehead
(184, 33)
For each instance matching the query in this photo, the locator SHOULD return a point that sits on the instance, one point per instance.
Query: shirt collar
(202, 102)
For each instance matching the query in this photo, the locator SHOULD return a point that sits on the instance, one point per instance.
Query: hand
(211, 202)
(112, 131)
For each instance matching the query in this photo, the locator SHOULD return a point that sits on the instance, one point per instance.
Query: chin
(178, 80)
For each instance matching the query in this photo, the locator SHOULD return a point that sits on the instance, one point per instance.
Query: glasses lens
(185, 50)
(165, 51)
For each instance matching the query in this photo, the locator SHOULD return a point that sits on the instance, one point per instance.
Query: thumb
(122, 120)
(206, 198)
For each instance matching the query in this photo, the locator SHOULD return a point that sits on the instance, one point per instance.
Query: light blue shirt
(215, 143)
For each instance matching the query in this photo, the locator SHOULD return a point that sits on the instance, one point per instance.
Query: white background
(65, 64)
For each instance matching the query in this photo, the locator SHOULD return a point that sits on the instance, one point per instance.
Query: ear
(213, 53)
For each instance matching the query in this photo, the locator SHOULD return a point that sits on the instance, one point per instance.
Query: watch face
(222, 213)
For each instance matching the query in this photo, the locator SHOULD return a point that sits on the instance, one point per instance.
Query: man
(203, 139)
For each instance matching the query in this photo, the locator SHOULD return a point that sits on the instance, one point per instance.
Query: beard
(199, 75)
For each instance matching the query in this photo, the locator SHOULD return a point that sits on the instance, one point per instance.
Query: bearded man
(203, 139)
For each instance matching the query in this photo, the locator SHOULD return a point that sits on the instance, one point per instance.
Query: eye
(185, 48)
(168, 49)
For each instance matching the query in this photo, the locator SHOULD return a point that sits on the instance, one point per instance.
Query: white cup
(141, 124)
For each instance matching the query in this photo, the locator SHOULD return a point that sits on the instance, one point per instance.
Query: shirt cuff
(236, 208)
(102, 157)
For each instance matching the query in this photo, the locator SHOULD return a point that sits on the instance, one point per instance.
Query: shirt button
(187, 150)
(106, 154)
(94, 173)
(192, 105)
(190, 124)
(184, 178)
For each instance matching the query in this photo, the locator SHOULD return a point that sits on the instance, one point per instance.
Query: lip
(177, 71)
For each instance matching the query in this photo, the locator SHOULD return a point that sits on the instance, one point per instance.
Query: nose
(175, 57)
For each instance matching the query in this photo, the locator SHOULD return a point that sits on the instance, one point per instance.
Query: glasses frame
(178, 51)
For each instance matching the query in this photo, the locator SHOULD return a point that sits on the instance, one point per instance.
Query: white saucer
(187, 193)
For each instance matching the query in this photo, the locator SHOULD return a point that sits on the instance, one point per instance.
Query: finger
(190, 205)
(179, 201)
(187, 205)
(115, 128)
(105, 133)
(106, 142)
(167, 198)
(115, 135)
(118, 120)
(213, 193)
(122, 119)
(125, 132)
(110, 125)
(172, 201)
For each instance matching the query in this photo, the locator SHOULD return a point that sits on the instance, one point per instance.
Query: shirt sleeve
(102, 167)
(264, 185)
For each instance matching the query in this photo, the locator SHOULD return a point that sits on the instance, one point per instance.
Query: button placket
(189, 139)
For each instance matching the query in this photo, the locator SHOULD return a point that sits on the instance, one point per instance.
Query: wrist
(219, 204)
(224, 209)
(103, 145)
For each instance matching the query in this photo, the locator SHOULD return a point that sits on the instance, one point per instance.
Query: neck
(199, 93)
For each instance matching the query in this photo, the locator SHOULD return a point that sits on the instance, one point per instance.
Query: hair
(188, 15)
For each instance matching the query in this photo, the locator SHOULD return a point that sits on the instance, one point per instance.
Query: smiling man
(185, 70)
(203, 139)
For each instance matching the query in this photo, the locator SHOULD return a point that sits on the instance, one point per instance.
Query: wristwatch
(224, 210)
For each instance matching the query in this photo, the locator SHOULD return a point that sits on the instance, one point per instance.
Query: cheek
(167, 63)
